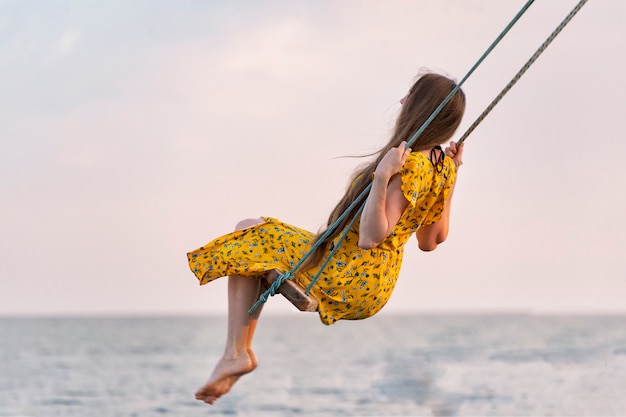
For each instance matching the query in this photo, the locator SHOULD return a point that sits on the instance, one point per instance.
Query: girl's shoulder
(418, 168)
(417, 159)
(416, 162)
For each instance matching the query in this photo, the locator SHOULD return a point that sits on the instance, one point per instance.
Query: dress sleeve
(441, 192)
(412, 173)
(426, 190)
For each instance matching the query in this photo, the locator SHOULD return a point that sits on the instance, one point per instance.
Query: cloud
(68, 41)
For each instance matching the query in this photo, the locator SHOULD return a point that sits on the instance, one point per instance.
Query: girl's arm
(386, 202)
(431, 235)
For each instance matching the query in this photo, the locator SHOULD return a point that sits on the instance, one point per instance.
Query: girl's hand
(456, 153)
(392, 161)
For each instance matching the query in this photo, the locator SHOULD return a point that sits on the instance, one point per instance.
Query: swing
(292, 292)
(283, 283)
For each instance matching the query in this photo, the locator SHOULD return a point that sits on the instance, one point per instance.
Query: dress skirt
(355, 284)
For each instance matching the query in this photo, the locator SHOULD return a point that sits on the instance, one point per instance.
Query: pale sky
(134, 132)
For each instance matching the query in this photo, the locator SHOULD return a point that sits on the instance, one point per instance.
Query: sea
(388, 365)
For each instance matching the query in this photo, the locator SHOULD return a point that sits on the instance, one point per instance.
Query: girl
(411, 193)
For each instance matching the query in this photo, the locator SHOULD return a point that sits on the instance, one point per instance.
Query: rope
(332, 252)
(522, 70)
(273, 290)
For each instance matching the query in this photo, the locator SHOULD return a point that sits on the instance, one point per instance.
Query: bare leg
(239, 358)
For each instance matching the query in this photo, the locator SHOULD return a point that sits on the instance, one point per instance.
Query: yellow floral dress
(357, 282)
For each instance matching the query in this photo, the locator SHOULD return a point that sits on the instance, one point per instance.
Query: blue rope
(273, 290)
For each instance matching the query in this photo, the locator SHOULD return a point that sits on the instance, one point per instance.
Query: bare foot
(226, 373)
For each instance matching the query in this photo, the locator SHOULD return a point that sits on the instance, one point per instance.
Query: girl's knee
(249, 223)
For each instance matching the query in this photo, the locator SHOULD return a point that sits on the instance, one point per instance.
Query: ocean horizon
(389, 365)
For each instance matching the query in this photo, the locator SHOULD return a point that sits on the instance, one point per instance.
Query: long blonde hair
(423, 98)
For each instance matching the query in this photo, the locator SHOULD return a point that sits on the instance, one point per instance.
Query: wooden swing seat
(293, 292)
